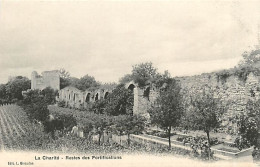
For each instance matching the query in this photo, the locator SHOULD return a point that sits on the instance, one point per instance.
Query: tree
(168, 108)
(2, 93)
(126, 78)
(49, 95)
(120, 101)
(129, 124)
(35, 105)
(65, 79)
(101, 123)
(250, 59)
(86, 82)
(249, 124)
(144, 73)
(64, 74)
(15, 87)
(98, 107)
(205, 114)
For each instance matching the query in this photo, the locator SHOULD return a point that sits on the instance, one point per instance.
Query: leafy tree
(129, 124)
(3, 96)
(49, 95)
(65, 79)
(64, 73)
(126, 78)
(101, 123)
(168, 109)
(206, 112)
(35, 105)
(249, 124)
(144, 73)
(250, 59)
(86, 82)
(98, 107)
(15, 87)
(120, 101)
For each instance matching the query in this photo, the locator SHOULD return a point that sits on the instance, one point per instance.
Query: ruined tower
(48, 79)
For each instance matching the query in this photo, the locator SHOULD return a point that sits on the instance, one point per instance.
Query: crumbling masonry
(233, 91)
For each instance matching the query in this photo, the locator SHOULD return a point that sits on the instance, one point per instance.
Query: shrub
(61, 103)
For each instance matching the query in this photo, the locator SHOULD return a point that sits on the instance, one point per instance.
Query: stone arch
(87, 99)
(96, 97)
(131, 87)
(106, 95)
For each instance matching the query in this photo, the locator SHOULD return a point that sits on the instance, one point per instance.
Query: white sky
(105, 38)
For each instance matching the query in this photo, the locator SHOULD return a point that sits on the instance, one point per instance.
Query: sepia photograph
(129, 83)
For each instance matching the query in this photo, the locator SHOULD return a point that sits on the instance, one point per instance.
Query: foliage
(49, 95)
(249, 64)
(168, 109)
(126, 78)
(86, 82)
(98, 106)
(223, 75)
(15, 86)
(250, 59)
(64, 78)
(129, 124)
(144, 73)
(206, 111)
(35, 105)
(198, 140)
(159, 133)
(61, 103)
(256, 154)
(102, 123)
(249, 125)
(120, 101)
(3, 95)
(63, 73)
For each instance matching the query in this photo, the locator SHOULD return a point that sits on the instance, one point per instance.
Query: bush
(256, 154)
(61, 103)
(241, 143)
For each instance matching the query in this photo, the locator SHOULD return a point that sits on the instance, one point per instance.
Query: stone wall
(233, 92)
(47, 79)
(76, 98)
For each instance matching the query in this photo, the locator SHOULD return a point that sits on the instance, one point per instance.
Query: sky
(105, 39)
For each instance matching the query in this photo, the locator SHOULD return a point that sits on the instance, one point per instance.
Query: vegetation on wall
(249, 64)
(144, 74)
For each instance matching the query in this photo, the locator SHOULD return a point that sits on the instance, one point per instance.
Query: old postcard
(129, 83)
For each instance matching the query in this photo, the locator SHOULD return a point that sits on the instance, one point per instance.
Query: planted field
(17, 133)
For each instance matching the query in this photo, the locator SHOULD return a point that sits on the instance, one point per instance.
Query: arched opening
(147, 93)
(87, 98)
(131, 87)
(74, 97)
(96, 97)
(69, 96)
(106, 95)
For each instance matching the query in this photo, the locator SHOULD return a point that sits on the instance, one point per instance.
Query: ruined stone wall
(76, 98)
(143, 99)
(233, 92)
(48, 79)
